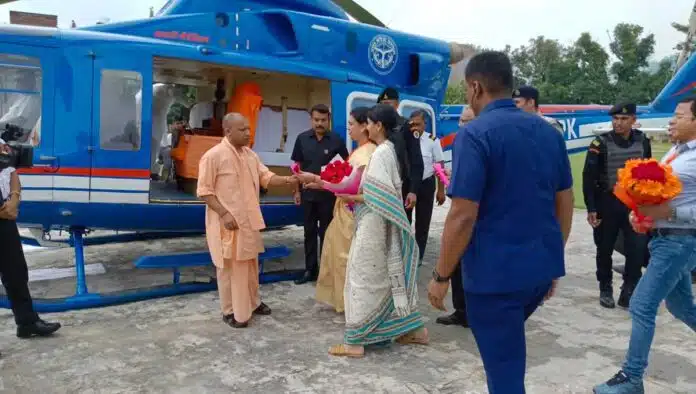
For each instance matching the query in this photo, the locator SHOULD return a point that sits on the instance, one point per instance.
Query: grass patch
(577, 162)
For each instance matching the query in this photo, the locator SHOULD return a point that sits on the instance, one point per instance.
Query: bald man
(228, 181)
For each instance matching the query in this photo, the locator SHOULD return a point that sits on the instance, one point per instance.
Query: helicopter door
(26, 116)
(120, 170)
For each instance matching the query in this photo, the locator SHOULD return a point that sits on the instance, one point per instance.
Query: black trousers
(15, 274)
(317, 216)
(458, 298)
(425, 200)
(614, 219)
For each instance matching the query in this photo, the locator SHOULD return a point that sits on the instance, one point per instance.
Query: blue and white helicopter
(93, 101)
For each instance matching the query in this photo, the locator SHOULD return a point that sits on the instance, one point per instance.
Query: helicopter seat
(176, 261)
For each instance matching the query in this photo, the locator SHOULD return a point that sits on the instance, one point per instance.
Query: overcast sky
(490, 23)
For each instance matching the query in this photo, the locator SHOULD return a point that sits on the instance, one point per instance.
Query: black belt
(663, 232)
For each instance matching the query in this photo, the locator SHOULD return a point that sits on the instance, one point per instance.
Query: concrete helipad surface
(180, 345)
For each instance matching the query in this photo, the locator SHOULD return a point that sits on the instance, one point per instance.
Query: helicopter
(92, 104)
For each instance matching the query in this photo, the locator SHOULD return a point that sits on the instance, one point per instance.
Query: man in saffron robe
(229, 178)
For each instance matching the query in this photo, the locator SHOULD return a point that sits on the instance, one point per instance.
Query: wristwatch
(438, 278)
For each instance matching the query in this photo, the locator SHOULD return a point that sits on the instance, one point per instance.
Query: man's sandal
(342, 351)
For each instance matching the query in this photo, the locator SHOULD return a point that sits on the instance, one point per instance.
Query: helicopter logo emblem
(383, 54)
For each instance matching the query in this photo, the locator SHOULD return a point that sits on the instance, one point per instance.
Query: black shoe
(606, 296)
(262, 310)
(626, 294)
(307, 277)
(232, 322)
(38, 328)
(454, 319)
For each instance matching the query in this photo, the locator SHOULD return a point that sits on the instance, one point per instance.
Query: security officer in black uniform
(405, 138)
(605, 213)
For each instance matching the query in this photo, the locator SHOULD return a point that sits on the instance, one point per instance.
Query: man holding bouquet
(605, 213)
(672, 250)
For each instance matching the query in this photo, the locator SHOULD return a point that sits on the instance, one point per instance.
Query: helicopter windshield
(20, 98)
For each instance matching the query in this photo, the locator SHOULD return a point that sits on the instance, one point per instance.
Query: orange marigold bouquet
(646, 182)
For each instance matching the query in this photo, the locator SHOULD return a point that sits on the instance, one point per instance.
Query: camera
(16, 155)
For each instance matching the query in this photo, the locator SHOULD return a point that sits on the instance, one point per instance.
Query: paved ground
(180, 345)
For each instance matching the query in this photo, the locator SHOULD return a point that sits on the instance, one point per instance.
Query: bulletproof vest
(617, 156)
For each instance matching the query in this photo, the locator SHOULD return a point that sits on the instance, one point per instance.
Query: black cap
(623, 109)
(388, 94)
(527, 92)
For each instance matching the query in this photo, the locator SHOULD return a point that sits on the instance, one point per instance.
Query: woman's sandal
(342, 351)
(414, 339)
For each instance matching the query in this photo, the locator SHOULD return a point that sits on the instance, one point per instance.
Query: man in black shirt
(605, 213)
(314, 149)
(413, 169)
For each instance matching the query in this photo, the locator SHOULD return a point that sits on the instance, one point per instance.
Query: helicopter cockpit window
(20, 99)
(119, 110)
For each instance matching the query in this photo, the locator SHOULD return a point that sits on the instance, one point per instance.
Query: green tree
(544, 64)
(631, 49)
(590, 81)
(456, 94)
(684, 29)
(634, 81)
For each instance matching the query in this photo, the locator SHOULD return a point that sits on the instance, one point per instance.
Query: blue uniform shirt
(512, 163)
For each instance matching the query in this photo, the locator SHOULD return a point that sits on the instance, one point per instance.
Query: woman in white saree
(380, 291)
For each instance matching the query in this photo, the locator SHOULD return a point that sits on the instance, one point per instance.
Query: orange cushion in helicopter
(247, 100)
(189, 151)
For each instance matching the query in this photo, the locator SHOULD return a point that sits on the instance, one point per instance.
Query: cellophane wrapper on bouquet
(646, 182)
(341, 178)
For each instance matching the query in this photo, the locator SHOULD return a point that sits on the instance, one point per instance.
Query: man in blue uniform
(511, 213)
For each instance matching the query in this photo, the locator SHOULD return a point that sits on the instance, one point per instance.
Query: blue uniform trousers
(497, 322)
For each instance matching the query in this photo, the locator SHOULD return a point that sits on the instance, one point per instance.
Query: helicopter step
(83, 299)
(175, 261)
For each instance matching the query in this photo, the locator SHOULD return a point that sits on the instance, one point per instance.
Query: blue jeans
(668, 277)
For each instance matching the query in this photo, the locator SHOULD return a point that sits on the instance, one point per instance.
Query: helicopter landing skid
(83, 299)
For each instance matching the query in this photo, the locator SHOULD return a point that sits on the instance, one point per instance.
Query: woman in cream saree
(380, 291)
(339, 233)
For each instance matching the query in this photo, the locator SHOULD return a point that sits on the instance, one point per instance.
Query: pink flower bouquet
(441, 174)
(339, 177)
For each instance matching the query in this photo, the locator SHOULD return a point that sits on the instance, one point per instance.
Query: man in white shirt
(432, 153)
(13, 266)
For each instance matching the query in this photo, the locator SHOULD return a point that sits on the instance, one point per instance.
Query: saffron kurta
(339, 233)
(234, 176)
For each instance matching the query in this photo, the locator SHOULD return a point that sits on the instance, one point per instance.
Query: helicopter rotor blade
(359, 13)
